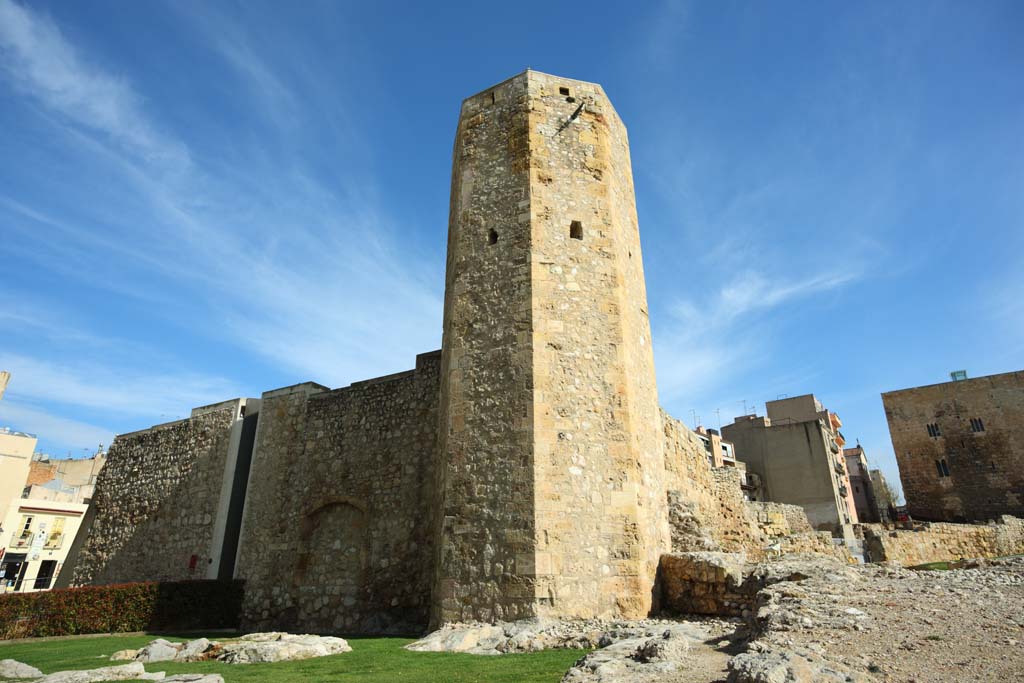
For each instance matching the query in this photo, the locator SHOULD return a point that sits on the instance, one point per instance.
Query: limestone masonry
(960, 447)
(525, 469)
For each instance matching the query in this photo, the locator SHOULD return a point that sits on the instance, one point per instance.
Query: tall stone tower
(551, 472)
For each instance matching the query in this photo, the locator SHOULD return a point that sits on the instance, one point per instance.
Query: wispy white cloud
(122, 391)
(40, 62)
(261, 254)
(705, 343)
(71, 435)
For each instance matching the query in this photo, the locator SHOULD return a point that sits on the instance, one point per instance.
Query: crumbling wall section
(336, 527)
(706, 506)
(927, 542)
(156, 501)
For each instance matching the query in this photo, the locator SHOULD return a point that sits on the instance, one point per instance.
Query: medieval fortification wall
(336, 532)
(157, 502)
(524, 470)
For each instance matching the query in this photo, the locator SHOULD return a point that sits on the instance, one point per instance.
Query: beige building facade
(796, 450)
(960, 447)
(861, 485)
(37, 537)
(16, 449)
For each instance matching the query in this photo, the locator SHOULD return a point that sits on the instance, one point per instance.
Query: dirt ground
(893, 624)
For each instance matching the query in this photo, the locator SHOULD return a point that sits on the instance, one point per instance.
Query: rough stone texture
(159, 650)
(531, 635)
(885, 623)
(10, 668)
(986, 468)
(707, 510)
(938, 542)
(706, 583)
(525, 470)
(248, 649)
(783, 666)
(257, 648)
(658, 655)
(706, 506)
(156, 501)
(336, 534)
(124, 672)
(552, 491)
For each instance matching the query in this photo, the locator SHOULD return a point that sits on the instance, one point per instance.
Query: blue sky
(205, 200)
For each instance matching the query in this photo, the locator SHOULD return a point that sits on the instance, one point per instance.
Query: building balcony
(834, 419)
(54, 541)
(19, 541)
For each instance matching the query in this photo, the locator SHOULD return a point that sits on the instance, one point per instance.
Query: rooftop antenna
(718, 413)
(693, 416)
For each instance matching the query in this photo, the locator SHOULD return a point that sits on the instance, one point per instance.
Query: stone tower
(551, 473)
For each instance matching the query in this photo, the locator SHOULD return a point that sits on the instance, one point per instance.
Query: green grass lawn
(372, 660)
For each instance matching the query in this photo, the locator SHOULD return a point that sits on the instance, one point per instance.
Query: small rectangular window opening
(576, 230)
(492, 237)
(942, 468)
(933, 430)
(563, 91)
(977, 425)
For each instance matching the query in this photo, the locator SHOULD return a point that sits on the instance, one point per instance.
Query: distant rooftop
(7, 431)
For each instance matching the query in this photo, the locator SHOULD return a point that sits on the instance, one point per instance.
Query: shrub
(118, 608)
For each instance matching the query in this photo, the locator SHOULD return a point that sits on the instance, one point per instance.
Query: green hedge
(153, 606)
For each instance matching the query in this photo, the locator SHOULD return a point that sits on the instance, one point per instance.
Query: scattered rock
(195, 678)
(124, 655)
(194, 650)
(652, 657)
(279, 647)
(125, 672)
(10, 668)
(252, 648)
(774, 666)
(159, 650)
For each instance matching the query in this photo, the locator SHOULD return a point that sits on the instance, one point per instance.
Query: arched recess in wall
(332, 561)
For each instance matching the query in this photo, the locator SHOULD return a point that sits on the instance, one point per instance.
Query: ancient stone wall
(779, 519)
(336, 531)
(486, 548)
(156, 501)
(551, 485)
(600, 505)
(960, 447)
(940, 541)
(706, 505)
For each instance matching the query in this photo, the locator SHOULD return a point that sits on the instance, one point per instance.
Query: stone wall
(779, 519)
(484, 488)
(712, 583)
(551, 486)
(981, 475)
(941, 541)
(156, 502)
(336, 531)
(706, 505)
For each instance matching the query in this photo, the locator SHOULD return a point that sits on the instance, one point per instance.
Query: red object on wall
(192, 563)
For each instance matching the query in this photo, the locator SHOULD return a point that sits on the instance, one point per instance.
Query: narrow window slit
(576, 230)
(492, 237)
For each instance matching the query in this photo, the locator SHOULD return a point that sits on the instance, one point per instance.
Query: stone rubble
(248, 649)
(531, 635)
(12, 669)
(134, 671)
